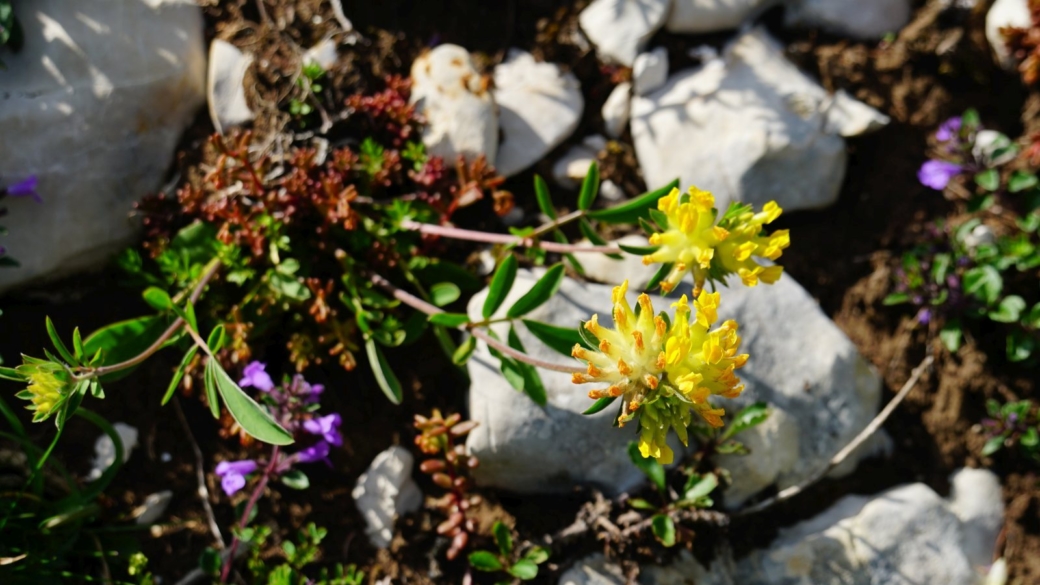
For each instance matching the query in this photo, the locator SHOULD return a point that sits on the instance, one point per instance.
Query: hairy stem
(490, 238)
(421, 305)
(258, 490)
(562, 220)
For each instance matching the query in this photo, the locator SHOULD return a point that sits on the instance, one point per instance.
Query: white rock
(105, 449)
(385, 491)
(846, 116)
(1013, 13)
(907, 535)
(979, 235)
(94, 105)
(993, 148)
(601, 268)
(801, 363)
(615, 109)
(611, 191)
(701, 16)
(459, 109)
(539, 107)
(998, 573)
(572, 167)
(686, 570)
(153, 508)
(774, 449)
(650, 70)
(978, 501)
(748, 126)
(593, 570)
(225, 86)
(872, 19)
(323, 54)
(620, 28)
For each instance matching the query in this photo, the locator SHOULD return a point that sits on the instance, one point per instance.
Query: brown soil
(935, 68)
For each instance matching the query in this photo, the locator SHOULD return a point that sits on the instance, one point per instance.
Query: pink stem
(475, 236)
(253, 498)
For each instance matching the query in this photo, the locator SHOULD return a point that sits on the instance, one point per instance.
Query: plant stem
(211, 270)
(527, 242)
(253, 498)
(421, 305)
(841, 455)
(565, 219)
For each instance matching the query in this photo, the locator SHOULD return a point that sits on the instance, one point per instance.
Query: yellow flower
(663, 372)
(694, 243)
(48, 384)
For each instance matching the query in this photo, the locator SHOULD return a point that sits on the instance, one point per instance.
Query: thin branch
(843, 454)
(562, 220)
(421, 305)
(258, 490)
(490, 238)
(200, 476)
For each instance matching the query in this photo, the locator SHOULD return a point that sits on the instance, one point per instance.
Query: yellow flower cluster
(49, 382)
(694, 243)
(663, 369)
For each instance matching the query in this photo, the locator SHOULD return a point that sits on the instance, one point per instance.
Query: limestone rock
(620, 28)
(702, 16)
(868, 20)
(1013, 13)
(458, 106)
(153, 508)
(593, 570)
(105, 449)
(615, 110)
(748, 126)
(539, 107)
(225, 91)
(650, 70)
(385, 491)
(572, 167)
(94, 105)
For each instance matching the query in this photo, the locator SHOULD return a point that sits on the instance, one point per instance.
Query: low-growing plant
(1012, 425)
(507, 560)
(11, 36)
(695, 493)
(299, 555)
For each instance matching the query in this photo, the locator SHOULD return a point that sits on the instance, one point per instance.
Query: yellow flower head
(49, 382)
(663, 372)
(695, 244)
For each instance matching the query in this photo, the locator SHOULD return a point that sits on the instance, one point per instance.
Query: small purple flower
(924, 316)
(316, 452)
(233, 474)
(256, 376)
(327, 427)
(315, 393)
(937, 173)
(948, 130)
(26, 188)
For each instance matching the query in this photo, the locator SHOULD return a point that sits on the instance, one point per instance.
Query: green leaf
(501, 284)
(988, 179)
(179, 374)
(444, 293)
(483, 560)
(660, 275)
(11, 374)
(641, 504)
(590, 233)
(664, 529)
(541, 194)
(209, 379)
(295, 479)
(600, 404)
(993, 445)
(1021, 180)
(587, 336)
(638, 250)
(77, 345)
(123, 340)
(700, 487)
(589, 187)
(561, 339)
(533, 386)
(157, 298)
(896, 299)
(503, 538)
(1020, 346)
(524, 570)
(950, 335)
(1032, 318)
(59, 345)
(537, 555)
(648, 465)
(464, 351)
(984, 282)
(384, 375)
(1009, 310)
(449, 319)
(216, 339)
(631, 211)
(1030, 438)
(253, 419)
(748, 417)
(542, 290)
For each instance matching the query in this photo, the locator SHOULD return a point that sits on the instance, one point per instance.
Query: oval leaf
(541, 194)
(648, 465)
(524, 570)
(449, 319)
(384, 375)
(503, 538)
(546, 287)
(123, 340)
(157, 298)
(664, 529)
(500, 286)
(631, 211)
(483, 560)
(560, 339)
(247, 413)
(444, 293)
(589, 187)
(461, 355)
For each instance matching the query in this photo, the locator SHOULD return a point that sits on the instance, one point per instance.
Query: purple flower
(937, 173)
(315, 392)
(233, 474)
(255, 376)
(316, 452)
(948, 130)
(26, 188)
(327, 427)
(924, 316)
